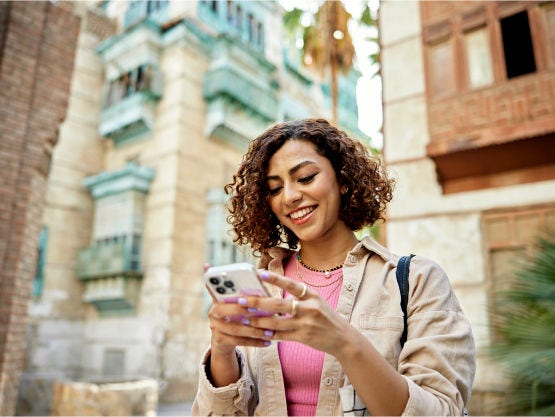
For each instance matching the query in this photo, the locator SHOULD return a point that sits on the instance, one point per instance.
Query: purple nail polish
(267, 343)
(269, 332)
(252, 310)
(242, 301)
(264, 274)
(246, 322)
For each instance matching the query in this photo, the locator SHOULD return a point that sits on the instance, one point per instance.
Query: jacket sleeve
(233, 400)
(438, 359)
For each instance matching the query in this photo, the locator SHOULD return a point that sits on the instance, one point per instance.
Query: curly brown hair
(368, 187)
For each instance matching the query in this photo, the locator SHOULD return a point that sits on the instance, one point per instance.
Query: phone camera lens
(221, 290)
(228, 284)
(214, 281)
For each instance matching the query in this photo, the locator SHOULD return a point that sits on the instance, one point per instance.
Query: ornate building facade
(165, 97)
(469, 130)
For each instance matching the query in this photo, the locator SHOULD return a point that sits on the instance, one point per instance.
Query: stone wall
(38, 48)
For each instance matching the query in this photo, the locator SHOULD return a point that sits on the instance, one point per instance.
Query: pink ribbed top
(302, 365)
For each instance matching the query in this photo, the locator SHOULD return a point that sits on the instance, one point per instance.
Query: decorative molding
(131, 178)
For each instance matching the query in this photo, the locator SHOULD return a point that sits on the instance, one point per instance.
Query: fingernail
(246, 322)
(267, 343)
(268, 332)
(264, 275)
(252, 310)
(242, 301)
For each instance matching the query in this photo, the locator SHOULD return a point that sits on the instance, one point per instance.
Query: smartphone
(229, 282)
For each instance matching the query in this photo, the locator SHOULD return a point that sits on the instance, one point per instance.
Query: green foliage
(292, 21)
(366, 17)
(524, 319)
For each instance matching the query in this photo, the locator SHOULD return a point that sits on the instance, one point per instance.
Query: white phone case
(229, 282)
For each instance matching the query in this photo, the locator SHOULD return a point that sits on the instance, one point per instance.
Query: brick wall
(37, 49)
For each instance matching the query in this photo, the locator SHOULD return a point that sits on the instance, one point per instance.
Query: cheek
(273, 202)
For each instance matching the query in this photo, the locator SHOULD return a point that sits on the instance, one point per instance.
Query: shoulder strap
(402, 274)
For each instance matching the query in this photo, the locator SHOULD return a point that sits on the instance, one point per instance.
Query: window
(114, 360)
(251, 36)
(517, 45)
(138, 79)
(442, 69)
(41, 262)
(478, 57)
(220, 247)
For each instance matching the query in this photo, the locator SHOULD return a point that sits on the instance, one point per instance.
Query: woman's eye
(305, 180)
(274, 191)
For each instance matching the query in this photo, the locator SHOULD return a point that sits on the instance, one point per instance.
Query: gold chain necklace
(300, 275)
(326, 272)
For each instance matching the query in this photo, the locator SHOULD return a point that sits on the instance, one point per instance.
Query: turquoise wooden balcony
(129, 118)
(241, 93)
(111, 273)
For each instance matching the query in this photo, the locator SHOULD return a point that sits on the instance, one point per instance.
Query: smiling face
(304, 192)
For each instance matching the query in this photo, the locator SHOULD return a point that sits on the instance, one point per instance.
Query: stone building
(469, 131)
(165, 96)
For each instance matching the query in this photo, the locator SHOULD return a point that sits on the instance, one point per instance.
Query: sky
(369, 91)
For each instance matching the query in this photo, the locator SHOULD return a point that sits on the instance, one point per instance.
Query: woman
(333, 346)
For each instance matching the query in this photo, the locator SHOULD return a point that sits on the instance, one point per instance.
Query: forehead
(294, 152)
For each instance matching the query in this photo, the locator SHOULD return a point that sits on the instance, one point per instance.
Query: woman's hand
(306, 317)
(229, 326)
(229, 323)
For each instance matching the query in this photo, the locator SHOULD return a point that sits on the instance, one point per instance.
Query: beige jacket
(438, 359)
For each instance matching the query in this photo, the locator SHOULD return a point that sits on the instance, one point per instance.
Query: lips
(301, 215)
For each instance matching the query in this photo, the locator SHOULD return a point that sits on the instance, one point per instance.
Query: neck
(326, 255)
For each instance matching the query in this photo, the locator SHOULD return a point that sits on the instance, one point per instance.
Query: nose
(291, 194)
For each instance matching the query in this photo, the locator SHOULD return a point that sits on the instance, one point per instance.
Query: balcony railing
(112, 274)
(110, 258)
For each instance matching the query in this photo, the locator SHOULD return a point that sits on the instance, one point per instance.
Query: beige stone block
(69, 196)
(406, 129)
(452, 241)
(68, 221)
(474, 303)
(157, 251)
(489, 373)
(129, 398)
(155, 278)
(159, 196)
(159, 222)
(83, 153)
(154, 304)
(63, 247)
(122, 330)
(58, 342)
(117, 157)
(399, 20)
(403, 70)
(416, 189)
(84, 109)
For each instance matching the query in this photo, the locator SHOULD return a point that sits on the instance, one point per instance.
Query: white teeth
(301, 213)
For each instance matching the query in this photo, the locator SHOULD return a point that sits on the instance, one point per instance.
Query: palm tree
(327, 43)
(524, 319)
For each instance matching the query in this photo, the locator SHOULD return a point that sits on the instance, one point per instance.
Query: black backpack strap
(402, 274)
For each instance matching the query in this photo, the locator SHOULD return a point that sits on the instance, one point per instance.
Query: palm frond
(524, 319)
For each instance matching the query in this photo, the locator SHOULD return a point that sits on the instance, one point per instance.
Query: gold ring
(294, 305)
(303, 292)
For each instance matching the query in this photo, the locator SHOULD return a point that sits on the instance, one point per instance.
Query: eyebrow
(292, 170)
